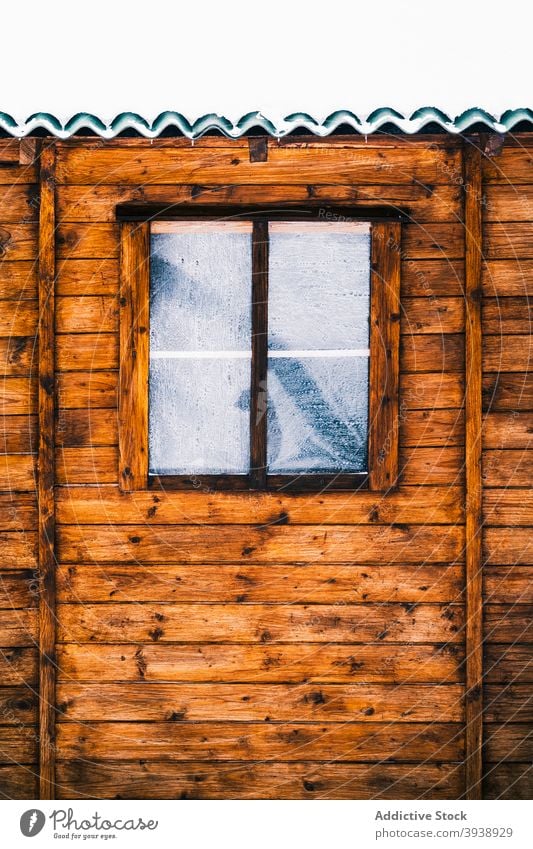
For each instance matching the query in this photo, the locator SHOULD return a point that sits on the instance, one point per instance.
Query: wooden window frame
(134, 351)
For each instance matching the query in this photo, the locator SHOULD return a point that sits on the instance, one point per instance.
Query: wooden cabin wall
(508, 470)
(253, 645)
(19, 584)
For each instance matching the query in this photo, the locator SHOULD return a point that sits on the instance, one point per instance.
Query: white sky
(278, 57)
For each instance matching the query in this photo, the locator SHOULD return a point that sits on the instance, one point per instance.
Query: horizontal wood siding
(19, 584)
(328, 628)
(508, 468)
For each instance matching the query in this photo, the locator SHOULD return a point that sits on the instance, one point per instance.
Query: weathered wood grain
(272, 583)
(87, 241)
(353, 741)
(18, 548)
(437, 352)
(18, 588)
(18, 395)
(504, 664)
(18, 434)
(87, 351)
(324, 164)
(19, 666)
(82, 428)
(438, 505)
(508, 391)
(508, 507)
(431, 391)
(18, 356)
(431, 428)
(508, 240)
(507, 315)
(513, 165)
(87, 314)
(86, 465)
(507, 623)
(17, 745)
(19, 204)
(507, 430)
(18, 782)
(18, 707)
(98, 203)
(275, 543)
(16, 174)
(510, 703)
(18, 511)
(237, 623)
(433, 241)
(508, 203)
(508, 742)
(18, 241)
(18, 280)
(297, 662)
(507, 467)
(243, 780)
(78, 390)
(508, 781)
(18, 628)
(87, 277)
(18, 472)
(18, 318)
(431, 466)
(507, 277)
(507, 353)
(508, 546)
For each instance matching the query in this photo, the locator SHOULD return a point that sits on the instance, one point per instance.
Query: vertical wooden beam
(46, 521)
(473, 409)
(134, 355)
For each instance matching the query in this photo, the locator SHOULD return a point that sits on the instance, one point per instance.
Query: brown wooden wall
(19, 580)
(508, 471)
(224, 645)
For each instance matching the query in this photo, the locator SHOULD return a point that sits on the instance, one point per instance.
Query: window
(259, 350)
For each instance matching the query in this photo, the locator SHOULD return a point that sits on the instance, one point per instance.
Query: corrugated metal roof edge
(130, 121)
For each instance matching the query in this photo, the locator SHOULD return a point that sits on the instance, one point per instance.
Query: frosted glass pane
(200, 296)
(319, 285)
(199, 416)
(200, 348)
(317, 416)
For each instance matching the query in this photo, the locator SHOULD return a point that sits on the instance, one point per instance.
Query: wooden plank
(87, 314)
(506, 664)
(432, 315)
(19, 666)
(513, 165)
(474, 487)
(507, 315)
(395, 703)
(18, 472)
(18, 588)
(17, 745)
(432, 428)
(507, 277)
(18, 511)
(46, 526)
(18, 280)
(18, 707)
(147, 165)
(80, 429)
(87, 351)
(508, 203)
(438, 505)
(509, 704)
(238, 623)
(18, 434)
(134, 354)
(354, 741)
(432, 391)
(311, 662)
(19, 204)
(86, 465)
(81, 779)
(508, 742)
(18, 241)
(509, 467)
(18, 395)
(508, 507)
(18, 628)
(507, 353)
(16, 174)
(19, 548)
(508, 546)
(271, 583)
(79, 390)
(513, 392)
(508, 240)
(242, 543)
(87, 277)
(18, 782)
(9, 151)
(433, 241)
(18, 318)
(508, 623)
(507, 430)
(18, 355)
(508, 781)
(431, 466)
(433, 278)
(438, 352)
(98, 203)
(383, 410)
(87, 241)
